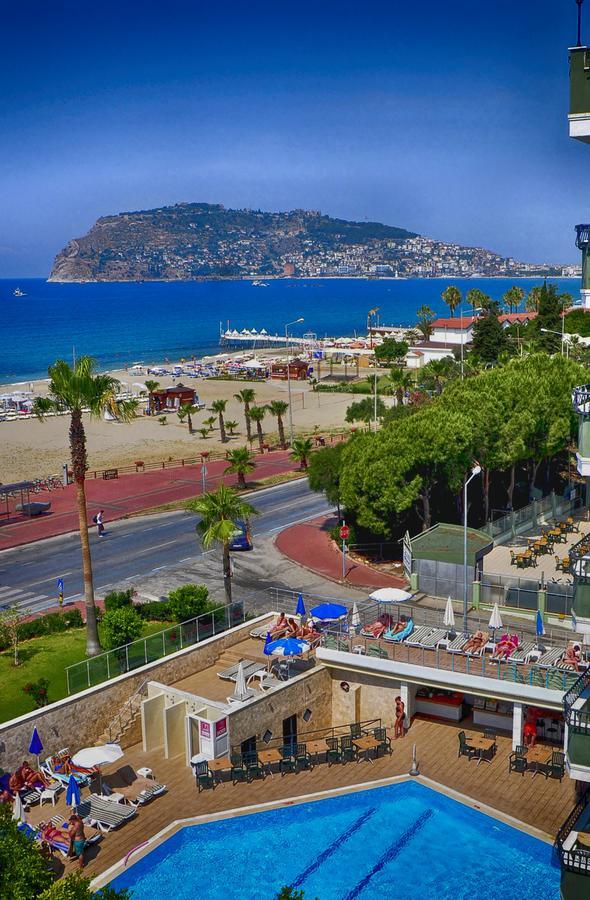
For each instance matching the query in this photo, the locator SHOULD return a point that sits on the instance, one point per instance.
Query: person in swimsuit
(400, 716)
(77, 838)
(279, 627)
(476, 642)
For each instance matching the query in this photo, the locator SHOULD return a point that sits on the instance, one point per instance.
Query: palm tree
(278, 408)
(241, 463)
(72, 390)
(231, 427)
(218, 406)
(436, 371)
(210, 422)
(186, 411)
(513, 298)
(246, 396)
(257, 414)
(151, 386)
(219, 511)
(301, 449)
(452, 297)
(402, 381)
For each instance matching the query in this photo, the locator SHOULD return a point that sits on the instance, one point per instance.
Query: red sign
(344, 532)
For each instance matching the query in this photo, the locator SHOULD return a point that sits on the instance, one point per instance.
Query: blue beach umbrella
(267, 643)
(540, 626)
(36, 746)
(73, 792)
(287, 647)
(300, 611)
(329, 612)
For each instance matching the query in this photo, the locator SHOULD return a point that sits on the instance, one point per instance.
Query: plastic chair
(254, 767)
(333, 754)
(204, 777)
(238, 770)
(347, 749)
(517, 761)
(303, 759)
(380, 734)
(287, 763)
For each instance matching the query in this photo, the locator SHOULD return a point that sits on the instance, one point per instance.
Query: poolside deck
(538, 802)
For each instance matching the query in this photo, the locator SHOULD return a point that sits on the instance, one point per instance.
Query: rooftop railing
(574, 860)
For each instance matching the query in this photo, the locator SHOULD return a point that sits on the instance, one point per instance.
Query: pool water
(403, 840)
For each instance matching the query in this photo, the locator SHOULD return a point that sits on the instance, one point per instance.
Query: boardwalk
(540, 803)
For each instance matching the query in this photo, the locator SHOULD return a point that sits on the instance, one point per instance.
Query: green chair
(238, 771)
(204, 777)
(303, 759)
(464, 748)
(517, 761)
(287, 763)
(556, 766)
(254, 767)
(333, 754)
(378, 652)
(348, 750)
(355, 731)
(380, 734)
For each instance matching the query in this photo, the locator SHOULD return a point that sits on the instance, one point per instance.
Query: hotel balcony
(579, 111)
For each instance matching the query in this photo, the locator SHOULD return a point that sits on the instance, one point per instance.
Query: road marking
(49, 578)
(296, 522)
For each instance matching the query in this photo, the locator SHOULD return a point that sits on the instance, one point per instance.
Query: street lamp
(287, 326)
(476, 469)
(560, 334)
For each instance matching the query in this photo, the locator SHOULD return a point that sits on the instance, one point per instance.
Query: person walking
(98, 520)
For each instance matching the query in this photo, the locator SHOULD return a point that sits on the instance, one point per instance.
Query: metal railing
(316, 734)
(577, 719)
(97, 669)
(438, 658)
(573, 860)
(126, 714)
(529, 515)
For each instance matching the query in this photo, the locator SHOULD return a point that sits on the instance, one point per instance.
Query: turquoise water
(403, 841)
(123, 323)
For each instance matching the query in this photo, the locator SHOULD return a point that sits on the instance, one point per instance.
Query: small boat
(18, 293)
(259, 284)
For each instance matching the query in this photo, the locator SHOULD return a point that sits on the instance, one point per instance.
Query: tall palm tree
(241, 463)
(246, 396)
(72, 390)
(257, 414)
(219, 511)
(278, 408)
(402, 381)
(151, 386)
(218, 406)
(301, 450)
(187, 411)
(452, 297)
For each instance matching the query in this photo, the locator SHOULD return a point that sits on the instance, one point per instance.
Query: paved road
(135, 547)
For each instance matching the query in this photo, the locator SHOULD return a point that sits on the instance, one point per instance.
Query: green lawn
(44, 657)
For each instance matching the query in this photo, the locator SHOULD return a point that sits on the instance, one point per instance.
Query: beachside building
(171, 398)
(297, 370)
(421, 354)
(454, 330)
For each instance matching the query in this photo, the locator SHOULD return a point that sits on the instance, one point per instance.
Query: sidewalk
(310, 545)
(129, 494)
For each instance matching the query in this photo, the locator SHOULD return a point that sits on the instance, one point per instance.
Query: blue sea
(123, 323)
(405, 841)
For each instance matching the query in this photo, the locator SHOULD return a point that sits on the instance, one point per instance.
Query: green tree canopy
(489, 338)
(391, 351)
(364, 410)
(324, 472)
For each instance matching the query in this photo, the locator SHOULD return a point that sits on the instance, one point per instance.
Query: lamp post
(474, 471)
(560, 334)
(287, 326)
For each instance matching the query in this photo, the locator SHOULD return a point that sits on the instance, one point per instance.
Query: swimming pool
(404, 840)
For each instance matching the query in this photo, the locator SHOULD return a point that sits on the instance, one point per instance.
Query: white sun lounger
(436, 635)
(418, 635)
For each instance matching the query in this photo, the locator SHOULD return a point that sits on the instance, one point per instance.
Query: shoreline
(252, 278)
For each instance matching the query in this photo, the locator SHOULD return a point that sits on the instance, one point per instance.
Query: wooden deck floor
(541, 803)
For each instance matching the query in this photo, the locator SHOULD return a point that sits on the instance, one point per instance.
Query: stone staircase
(232, 657)
(125, 720)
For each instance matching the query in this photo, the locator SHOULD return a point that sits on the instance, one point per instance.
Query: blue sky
(448, 118)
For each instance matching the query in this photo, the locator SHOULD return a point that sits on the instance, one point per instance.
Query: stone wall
(368, 697)
(78, 721)
(312, 691)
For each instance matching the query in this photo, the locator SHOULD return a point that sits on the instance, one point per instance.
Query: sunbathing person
(280, 627)
(400, 625)
(506, 646)
(476, 642)
(375, 630)
(292, 628)
(33, 778)
(6, 797)
(572, 657)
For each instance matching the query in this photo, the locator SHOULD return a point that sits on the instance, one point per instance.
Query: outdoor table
(537, 757)
(366, 744)
(50, 793)
(557, 535)
(268, 757)
(219, 765)
(481, 745)
(314, 748)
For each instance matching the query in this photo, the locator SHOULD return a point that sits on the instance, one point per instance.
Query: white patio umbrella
(97, 756)
(390, 595)
(355, 619)
(495, 618)
(241, 692)
(18, 810)
(449, 617)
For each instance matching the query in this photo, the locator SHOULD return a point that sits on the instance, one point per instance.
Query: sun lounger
(105, 814)
(550, 657)
(418, 635)
(400, 635)
(60, 767)
(231, 673)
(456, 646)
(522, 653)
(431, 640)
(61, 841)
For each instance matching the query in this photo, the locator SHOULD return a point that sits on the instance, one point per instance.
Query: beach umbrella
(300, 611)
(539, 624)
(97, 756)
(18, 810)
(329, 612)
(287, 647)
(73, 792)
(495, 618)
(241, 692)
(355, 619)
(267, 643)
(36, 746)
(390, 595)
(449, 618)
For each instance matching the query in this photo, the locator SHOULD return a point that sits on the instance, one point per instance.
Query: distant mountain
(200, 240)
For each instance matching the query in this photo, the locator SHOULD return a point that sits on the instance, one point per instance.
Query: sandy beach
(33, 449)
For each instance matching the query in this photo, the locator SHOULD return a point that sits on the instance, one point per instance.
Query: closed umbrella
(355, 619)
(73, 792)
(495, 618)
(241, 692)
(18, 810)
(36, 746)
(300, 611)
(390, 595)
(449, 618)
(268, 641)
(329, 612)
(540, 628)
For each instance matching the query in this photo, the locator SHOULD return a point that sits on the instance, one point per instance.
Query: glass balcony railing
(579, 112)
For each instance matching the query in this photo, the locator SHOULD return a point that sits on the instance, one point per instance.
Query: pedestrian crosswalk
(25, 600)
